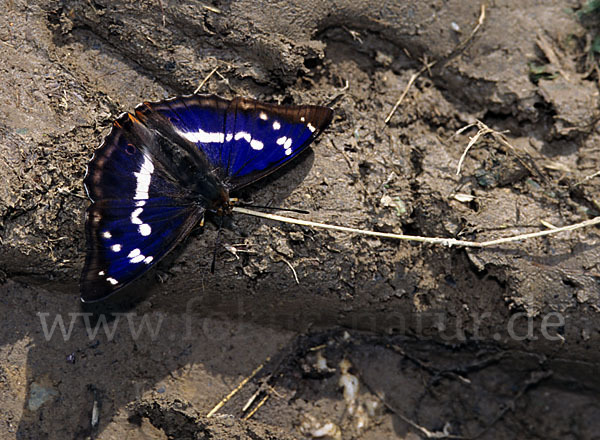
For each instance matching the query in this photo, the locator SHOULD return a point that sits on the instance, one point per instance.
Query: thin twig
(431, 240)
(426, 432)
(459, 48)
(472, 142)
(410, 83)
(261, 403)
(251, 400)
(534, 379)
(205, 79)
(212, 9)
(343, 152)
(162, 13)
(219, 405)
(500, 138)
(547, 48)
(71, 193)
(591, 176)
(293, 270)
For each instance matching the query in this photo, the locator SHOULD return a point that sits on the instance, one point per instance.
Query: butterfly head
(222, 204)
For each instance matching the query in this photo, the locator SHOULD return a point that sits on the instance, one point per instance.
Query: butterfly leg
(217, 243)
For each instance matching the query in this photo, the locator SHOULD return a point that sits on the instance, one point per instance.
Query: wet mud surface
(489, 343)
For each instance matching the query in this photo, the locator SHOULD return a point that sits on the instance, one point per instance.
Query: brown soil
(496, 344)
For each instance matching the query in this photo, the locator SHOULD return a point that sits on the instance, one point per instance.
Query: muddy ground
(493, 343)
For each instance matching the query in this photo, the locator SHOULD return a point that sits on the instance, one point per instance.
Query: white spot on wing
(134, 216)
(101, 273)
(116, 248)
(204, 137)
(140, 203)
(254, 143)
(229, 137)
(137, 259)
(263, 116)
(302, 119)
(276, 125)
(286, 143)
(311, 127)
(136, 256)
(145, 229)
(148, 260)
(112, 281)
(107, 234)
(143, 178)
(243, 135)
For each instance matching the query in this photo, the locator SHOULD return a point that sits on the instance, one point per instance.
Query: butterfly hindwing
(125, 238)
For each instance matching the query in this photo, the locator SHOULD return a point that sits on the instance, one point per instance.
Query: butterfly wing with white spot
(143, 204)
(259, 138)
(243, 139)
(199, 119)
(123, 243)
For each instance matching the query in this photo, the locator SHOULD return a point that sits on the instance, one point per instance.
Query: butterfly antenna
(335, 100)
(274, 208)
(217, 243)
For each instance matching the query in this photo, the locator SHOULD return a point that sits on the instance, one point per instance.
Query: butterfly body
(162, 168)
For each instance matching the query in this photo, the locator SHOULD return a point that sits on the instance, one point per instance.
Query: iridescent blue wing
(243, 139)
(126, 240)
(143, 203)
(259, 138)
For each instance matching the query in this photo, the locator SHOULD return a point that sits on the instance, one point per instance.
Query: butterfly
(160, 169)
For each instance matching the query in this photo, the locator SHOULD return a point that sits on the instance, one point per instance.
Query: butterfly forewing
(132, 163)
(262, 137)
(243, 139)
(141, 208)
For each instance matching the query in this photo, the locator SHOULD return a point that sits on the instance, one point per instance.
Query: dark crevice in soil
(173, 420)
(537, 128)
